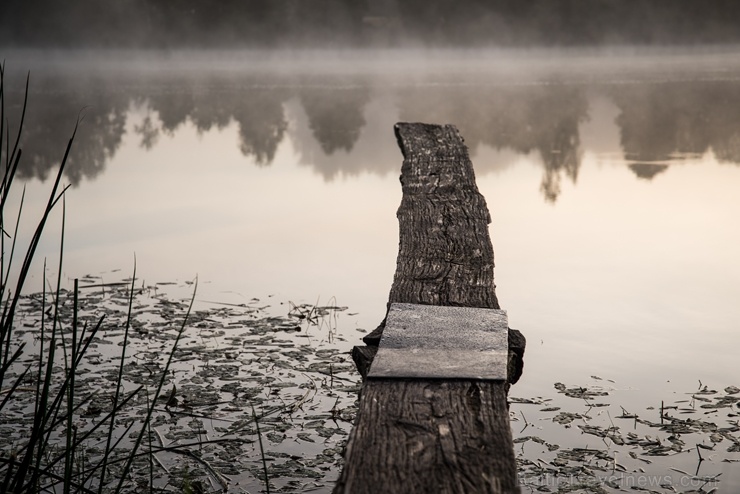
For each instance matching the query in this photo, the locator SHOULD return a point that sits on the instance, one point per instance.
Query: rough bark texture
(430, 437)
(445, 255)
(422, 436)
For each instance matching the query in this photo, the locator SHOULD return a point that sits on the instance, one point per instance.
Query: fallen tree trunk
(422, 435)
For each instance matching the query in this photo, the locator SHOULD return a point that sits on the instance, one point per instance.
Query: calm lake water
(612, 182)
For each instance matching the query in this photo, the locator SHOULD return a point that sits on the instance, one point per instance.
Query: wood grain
(435, 436)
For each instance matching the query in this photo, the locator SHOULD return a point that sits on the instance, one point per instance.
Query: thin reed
(53, 454)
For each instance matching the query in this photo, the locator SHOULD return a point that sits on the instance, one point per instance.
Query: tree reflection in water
(665, 121)
(657, 122)
(335, 114)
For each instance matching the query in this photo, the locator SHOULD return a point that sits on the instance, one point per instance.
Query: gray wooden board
(442, 342)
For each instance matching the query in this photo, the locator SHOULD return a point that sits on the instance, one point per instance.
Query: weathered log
(435, 435)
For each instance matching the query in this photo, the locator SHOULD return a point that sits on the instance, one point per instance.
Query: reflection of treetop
(656, 122)
(544, 119)
(335, 116)
(258, 113)
(660, 122)
(48, 125)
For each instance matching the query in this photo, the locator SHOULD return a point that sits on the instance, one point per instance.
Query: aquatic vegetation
(249, 395)
(239, 375)
(48, 444)
(601, 447)
(102, 389)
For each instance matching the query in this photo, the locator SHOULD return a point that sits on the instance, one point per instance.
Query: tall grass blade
(15, 156)
(157, 393)
(38, 440)
(23, 119)
(81, 439)
(119, 379)
(31, 251)
(18, 381)
(2, 110)
(9, 473)
(9, 175)
(7, 362)
(6, 268)
(42, 336)
(53, 455)
(262, 450)
(71, 370)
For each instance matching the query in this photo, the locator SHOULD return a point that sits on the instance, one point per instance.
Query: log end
(363, 357)
(517, 344)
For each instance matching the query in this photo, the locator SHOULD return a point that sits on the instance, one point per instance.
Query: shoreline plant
(253, 398)
(53, 455)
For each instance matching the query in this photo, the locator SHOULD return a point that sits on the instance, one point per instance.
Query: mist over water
(667, 105)
(384, 23)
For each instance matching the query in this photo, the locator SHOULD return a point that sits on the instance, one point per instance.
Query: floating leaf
(565, 418)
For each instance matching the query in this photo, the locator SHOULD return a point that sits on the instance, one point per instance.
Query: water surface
(612, 183)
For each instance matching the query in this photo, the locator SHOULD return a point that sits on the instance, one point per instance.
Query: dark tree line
(180, 23)
(300, 23)
(572, 22)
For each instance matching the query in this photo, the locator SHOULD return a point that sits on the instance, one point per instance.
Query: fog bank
(382, 23)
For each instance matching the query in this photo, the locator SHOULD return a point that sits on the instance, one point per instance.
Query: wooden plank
(432, 435)
(441, 342)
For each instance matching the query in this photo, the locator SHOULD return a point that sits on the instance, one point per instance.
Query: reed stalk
(53, 455)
